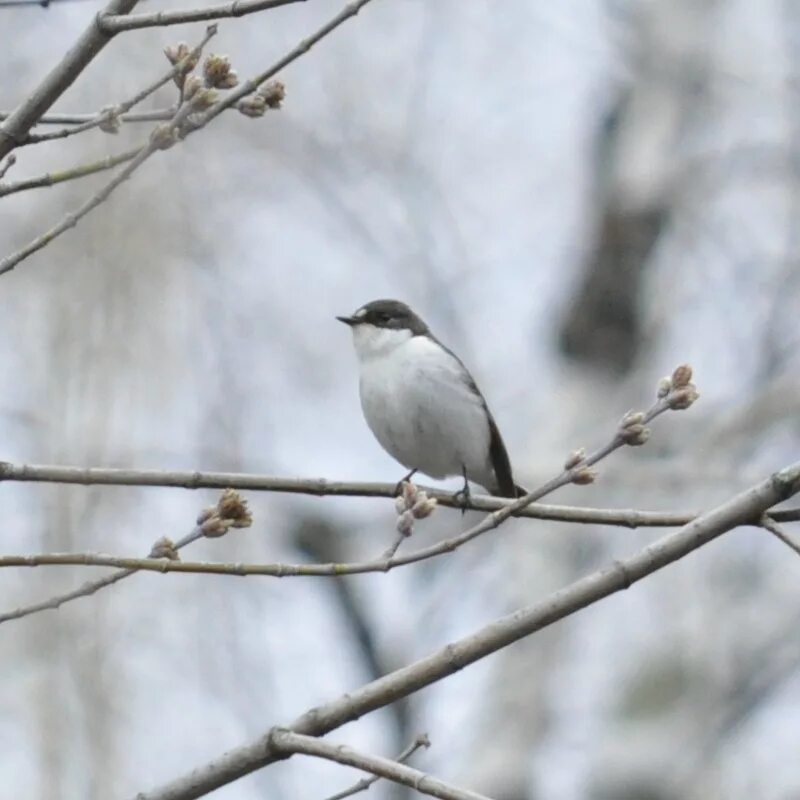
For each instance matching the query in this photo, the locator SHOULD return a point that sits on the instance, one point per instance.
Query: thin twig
(116, 23)
(155, 143)
(10, 161)
(365, 783)
(71, 174)
(240, 761)
(320, 487)
(15, 128)
(19, 122)
(88, 588)
(672, 394)
(156, 115)
(768, 522)
(290, 743)
(116, 111)
(249, 86)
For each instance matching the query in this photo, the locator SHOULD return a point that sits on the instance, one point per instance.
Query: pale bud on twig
(218, 73)
(110, 123)
(632, 418)
(664, 385)
(405, 523)
(273, 93)
(164, 136)
(424, 507)
(193, 85)
(233, 507)
(203, 99)
(175, 55)
(634, 435)
(681, 376)
(214, 527)
(584, 476)
(252, 106)
(164, 548)
(682, 398)
(230, 512)
(575, 458)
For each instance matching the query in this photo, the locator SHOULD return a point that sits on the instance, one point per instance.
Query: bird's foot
(398, 489)
(462, 496)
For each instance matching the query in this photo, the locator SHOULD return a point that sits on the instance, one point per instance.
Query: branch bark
(744, 508)
(19, 122)
(321, 487)
(116, 23)
(289, 743)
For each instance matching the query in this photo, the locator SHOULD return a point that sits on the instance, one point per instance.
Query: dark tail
(518, 491)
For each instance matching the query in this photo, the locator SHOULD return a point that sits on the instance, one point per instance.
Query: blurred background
(577, 197)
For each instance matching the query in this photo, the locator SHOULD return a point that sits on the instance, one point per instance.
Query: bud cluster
(230, 512)
(270, 95)
(164, 548)
(632, 429)
(677, 389)
(200, 89)
(412, 504)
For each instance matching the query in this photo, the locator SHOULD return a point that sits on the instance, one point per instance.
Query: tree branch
(365, 783)
(157, 115)
(116, 23)
(744, 508)
(769, 522)
(82, 171)
(248, 87)
(321, 487)
(14, 132)
(288, 743)
(162, 136)
(19, 122)
(88, 588)
(229, 512)
(115, 113)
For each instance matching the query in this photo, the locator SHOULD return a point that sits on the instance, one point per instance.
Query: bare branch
(290, 743)
(160, 138)
(16, 127)
(87, 589)
(365, 783)
(157, 115)
(115, 113)
(240, 761)
(116, 23)
(768, 522)
(229, 512)
(10, 161)
(71, 174)
(160, 134)
(248, 87)
(320, 487)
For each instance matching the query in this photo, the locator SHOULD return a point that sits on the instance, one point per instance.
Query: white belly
(424, 413)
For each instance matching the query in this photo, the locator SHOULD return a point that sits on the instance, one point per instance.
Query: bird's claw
(461, 498)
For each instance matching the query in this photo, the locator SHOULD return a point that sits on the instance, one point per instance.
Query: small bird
(422, 404)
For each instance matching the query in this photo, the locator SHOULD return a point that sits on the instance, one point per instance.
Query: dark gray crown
(387, 314)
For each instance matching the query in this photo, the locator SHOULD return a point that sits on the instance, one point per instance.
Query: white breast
(418, 402)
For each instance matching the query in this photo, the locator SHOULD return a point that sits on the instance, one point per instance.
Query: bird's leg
(462, 495)
(399, 487)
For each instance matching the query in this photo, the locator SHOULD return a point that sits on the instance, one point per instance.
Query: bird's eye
(383, 317)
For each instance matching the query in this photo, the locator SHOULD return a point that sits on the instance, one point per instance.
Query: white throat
(373, 342)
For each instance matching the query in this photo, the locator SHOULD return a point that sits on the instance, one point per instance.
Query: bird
(422, 404)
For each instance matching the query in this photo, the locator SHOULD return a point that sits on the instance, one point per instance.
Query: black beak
(348, 320)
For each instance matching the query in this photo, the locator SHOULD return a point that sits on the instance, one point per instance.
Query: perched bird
(421, 402)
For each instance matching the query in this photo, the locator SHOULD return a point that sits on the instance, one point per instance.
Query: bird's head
(381, 326)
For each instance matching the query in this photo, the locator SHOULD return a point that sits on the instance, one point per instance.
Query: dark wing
(500, 462)
(498, 455)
